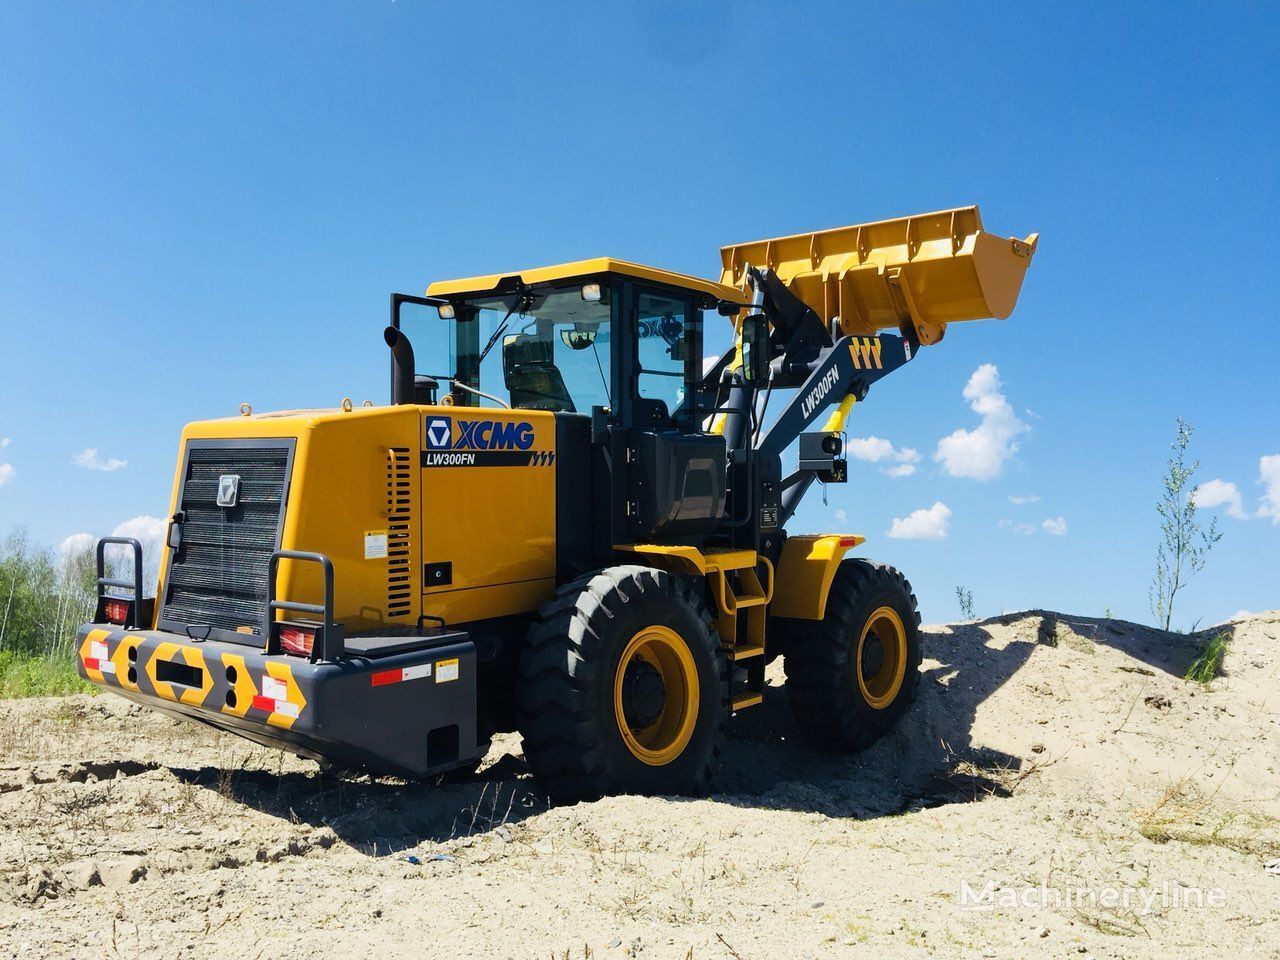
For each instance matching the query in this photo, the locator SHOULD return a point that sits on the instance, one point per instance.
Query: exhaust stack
(402, 372)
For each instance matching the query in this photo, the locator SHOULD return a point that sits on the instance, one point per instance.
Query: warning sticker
(446, 670)
(375, 544)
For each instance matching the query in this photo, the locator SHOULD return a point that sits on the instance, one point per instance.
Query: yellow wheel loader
(565, 523)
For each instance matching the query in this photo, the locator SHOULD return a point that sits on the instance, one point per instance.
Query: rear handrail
(135, 608)
(330, 644)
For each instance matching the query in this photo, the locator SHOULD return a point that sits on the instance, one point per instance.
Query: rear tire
(851, 675)
(623, 688)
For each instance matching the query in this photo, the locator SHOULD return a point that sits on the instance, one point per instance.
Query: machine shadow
(383, 816)
(929, 759)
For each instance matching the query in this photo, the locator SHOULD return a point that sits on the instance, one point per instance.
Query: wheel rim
(881, 658)
(661, 651)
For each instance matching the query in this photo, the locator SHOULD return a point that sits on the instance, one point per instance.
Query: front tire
(623, 688)
(852, 675)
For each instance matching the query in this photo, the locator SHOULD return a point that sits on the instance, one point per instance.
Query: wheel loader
(566, 522)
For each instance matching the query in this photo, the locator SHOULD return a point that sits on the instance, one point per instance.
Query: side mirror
(755, 349)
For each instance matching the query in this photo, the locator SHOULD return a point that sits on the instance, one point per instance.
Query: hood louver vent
(399, 528)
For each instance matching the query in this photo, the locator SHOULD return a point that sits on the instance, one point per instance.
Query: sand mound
(1057, 789)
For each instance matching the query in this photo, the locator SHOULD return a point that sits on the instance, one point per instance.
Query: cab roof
(584, 268)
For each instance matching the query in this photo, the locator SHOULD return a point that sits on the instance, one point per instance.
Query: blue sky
(206, 204)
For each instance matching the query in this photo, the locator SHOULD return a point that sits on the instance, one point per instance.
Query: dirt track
(1055, 757)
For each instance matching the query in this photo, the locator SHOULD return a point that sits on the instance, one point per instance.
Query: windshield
(548, 348)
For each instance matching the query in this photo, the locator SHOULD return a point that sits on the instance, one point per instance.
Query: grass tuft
(1207, 665)
(27, 676)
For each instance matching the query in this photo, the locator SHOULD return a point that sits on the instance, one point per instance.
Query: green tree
(1184, 543)
(42, 599)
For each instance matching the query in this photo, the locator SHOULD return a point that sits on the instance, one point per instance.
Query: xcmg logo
(478, 434)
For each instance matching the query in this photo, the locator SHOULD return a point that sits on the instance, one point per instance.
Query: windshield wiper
(524, 301)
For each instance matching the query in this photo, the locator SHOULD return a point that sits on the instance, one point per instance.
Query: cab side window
(666, 345)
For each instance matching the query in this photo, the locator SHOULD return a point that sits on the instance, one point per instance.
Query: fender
(805, 570)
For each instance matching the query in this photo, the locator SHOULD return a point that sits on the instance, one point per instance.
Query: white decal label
(98, 650)
(446, 670)
(274, 689)
(415, 673)
(375, 544)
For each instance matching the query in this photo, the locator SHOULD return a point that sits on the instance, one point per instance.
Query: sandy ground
(1057, 768)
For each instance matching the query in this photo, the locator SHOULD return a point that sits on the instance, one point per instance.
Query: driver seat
(532, 379)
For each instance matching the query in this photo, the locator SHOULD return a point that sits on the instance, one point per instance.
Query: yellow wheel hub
(655, 695)
(880, 662)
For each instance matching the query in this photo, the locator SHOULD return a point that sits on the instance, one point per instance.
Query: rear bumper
(410, 713)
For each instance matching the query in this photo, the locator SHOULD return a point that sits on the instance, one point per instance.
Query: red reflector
(297, 641)
(848, 541)
(383, 677)
(117, 611)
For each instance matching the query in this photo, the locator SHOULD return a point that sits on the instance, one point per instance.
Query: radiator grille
(399, 526)
(219, 574)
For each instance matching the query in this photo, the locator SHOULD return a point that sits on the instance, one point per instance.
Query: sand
(1056, 790)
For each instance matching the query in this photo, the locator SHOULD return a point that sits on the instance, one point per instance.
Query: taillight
(297, 641)
(116, 611)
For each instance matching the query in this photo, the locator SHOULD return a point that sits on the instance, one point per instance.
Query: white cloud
(1055, 526)
(841, 516)
(5, 441)
(870, 449)
(1219, 493)
(76, 543)
(980, 453)
(930, 524)
(1024, 529)
(89, 459)
(148, 531)
(1026, 498)
(1269, 477)
(6, 473)
(900, 461)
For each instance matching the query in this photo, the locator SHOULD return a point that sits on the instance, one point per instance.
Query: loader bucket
(919, 272)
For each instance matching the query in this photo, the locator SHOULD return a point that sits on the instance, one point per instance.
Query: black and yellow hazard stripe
(238, 684)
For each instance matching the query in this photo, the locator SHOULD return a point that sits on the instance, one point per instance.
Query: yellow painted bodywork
(582, 269)
(805, 570)
(337, 490)
(496, 525)
(924, 271)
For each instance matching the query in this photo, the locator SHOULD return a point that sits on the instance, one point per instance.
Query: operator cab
(613, 349)
(549, 339)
